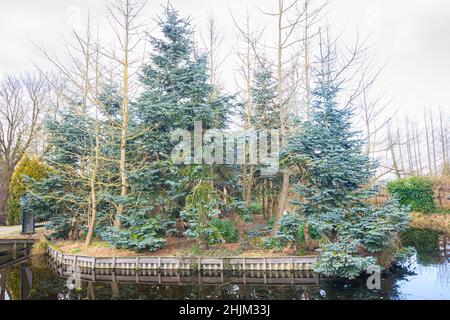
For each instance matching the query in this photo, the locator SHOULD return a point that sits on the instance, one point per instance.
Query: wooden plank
(12, 241)
(179, 263)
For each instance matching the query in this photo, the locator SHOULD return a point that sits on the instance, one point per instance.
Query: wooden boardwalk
(304, 263)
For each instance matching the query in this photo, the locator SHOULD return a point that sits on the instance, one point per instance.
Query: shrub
(289, 226)
(259, 230)
(30, 168)
(201, 209)
(227, 230)
(139, 233)
(378, 227)
(415, 192)
(272, 243)
(341, 259)
(255, 208)
(292, 229)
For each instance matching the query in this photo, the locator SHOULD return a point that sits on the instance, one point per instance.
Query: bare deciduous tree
(123, 16)
(22, 107)
(213, 40)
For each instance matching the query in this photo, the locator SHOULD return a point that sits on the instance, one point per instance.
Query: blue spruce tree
(332, 190)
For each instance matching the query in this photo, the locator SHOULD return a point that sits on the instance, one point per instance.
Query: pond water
(425, 276)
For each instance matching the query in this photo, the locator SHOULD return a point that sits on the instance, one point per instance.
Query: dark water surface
(425, 276)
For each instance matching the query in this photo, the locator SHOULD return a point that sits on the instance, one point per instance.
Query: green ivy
(415, 192)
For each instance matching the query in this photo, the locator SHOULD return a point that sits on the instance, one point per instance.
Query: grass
(438, 222)
(40, 247)
(190, 249)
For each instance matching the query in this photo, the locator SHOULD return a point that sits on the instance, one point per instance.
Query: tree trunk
(433, 143)
(238, 222)
(124, 126)
(115, 290)
(415, 150)
(443, 142)
(307, 232)
(430, 167)
(282, 199)
(400, 150)
(4, 194)
(91, 291)
(249, 185)
(274, 206)
(75, 230)
(93, 178)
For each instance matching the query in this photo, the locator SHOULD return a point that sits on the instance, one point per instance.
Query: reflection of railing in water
(189, 277)
(444, 247)
(13, 252)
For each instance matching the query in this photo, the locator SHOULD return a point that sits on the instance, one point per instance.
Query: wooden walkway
(10, 230)
(188, 263)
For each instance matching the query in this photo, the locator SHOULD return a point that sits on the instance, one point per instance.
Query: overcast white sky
(413, 36)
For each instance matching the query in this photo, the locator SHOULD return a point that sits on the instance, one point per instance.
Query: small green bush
(28, 168)
(139, 232)
(255, 208)
(227, 229)
(341, 259)
(292, 229)
(415, 192)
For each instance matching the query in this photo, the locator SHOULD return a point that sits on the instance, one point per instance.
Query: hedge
(28, 167)
(415, 192)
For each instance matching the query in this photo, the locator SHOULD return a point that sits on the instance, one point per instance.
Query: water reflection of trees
(426, 244)
(46, 284)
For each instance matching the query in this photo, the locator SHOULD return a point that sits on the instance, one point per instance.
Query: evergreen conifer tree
(176, 88)
(265, 109)
(332, 190)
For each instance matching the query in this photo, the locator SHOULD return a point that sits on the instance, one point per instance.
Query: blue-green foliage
(289, 227)
(292, 229)
(201, 208)
(62, 198)
(333, 173)
(177, 91)
(139, 232)
(342, 259)
(43, 204)
(377, 228)
(259, 230)
(244, 211)
(266, 113)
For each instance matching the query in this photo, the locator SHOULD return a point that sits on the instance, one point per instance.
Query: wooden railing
(184, 263)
